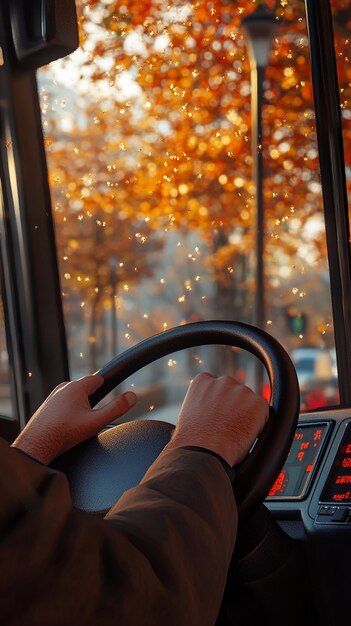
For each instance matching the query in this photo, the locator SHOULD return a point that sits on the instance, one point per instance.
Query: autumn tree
(101, 250)
(166, 147)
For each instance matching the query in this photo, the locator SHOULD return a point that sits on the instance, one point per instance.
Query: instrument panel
(315, 483)
(300, 466)
(338, 486)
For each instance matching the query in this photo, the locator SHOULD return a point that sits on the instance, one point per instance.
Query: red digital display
(294, 478)
(338, 487)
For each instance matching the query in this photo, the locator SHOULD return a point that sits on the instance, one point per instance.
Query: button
(325, 514)
(326, 510)
(340, 514)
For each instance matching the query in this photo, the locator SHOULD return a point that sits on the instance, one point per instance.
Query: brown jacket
(160, 557)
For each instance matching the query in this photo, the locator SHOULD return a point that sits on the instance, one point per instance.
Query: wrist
(30, 448)
(227, 468)
(218, 448)
(28, 456)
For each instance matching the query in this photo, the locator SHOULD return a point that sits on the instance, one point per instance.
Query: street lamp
(113, 264)
(260, 27)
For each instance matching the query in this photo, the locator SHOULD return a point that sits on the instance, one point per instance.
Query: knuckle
(61, 385)
(205, 375)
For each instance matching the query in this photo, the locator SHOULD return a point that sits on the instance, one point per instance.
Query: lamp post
(260, 27)
(113, 263)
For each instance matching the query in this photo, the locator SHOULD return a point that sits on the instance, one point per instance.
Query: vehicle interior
(175, 192)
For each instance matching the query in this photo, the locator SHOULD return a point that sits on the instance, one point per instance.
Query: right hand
(221, 415)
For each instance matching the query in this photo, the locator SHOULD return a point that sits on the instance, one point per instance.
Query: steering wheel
(101, 469)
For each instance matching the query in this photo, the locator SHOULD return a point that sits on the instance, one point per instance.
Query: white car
(313, 363)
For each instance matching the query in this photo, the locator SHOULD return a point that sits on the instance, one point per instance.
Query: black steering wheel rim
(258, 471)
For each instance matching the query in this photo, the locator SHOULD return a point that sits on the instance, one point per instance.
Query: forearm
(183, 517)
(160, 557)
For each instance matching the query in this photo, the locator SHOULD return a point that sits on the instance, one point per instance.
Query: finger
(91, 383)
(116, 407)
(267, 410)
(205, 375)
(201, 378)
(57, 388)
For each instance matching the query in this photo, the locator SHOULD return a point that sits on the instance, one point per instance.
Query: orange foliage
(173, 149)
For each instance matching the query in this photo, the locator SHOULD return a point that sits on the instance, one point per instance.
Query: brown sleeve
(160, 557)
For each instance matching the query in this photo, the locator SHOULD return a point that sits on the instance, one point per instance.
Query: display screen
(338, 487)
(296, 474)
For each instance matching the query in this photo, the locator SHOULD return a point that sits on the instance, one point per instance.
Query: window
(6, 405)
(148, 130)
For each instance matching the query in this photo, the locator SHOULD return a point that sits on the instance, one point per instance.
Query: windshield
(162, 164)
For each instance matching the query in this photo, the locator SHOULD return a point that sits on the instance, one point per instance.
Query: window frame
(30, 280)
(333, 180)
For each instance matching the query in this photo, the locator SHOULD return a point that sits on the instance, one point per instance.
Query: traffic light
(297, 321)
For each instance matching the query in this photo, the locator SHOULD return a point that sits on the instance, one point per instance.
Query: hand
(66, 418)
(221, 415)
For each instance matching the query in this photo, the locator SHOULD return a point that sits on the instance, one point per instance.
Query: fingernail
(130, 397)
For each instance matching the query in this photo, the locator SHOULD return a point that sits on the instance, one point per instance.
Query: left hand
(66, 418)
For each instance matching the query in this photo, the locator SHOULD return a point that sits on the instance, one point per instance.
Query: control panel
(335, 500)
(314, 485)
(295, 478)
(329, 514)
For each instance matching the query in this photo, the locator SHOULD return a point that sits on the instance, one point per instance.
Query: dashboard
(315, 483)
(311, 502)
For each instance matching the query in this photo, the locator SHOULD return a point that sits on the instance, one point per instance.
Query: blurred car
(313, 363)
(317, 393)
(317, 375)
